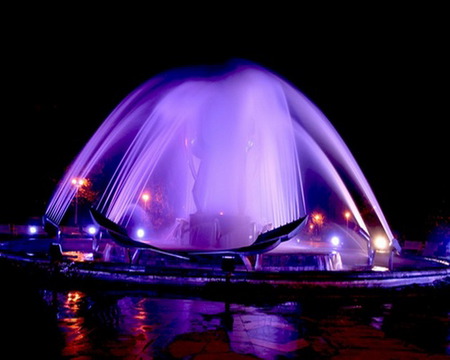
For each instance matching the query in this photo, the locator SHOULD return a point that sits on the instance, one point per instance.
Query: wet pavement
(77, 323)
(90, 324)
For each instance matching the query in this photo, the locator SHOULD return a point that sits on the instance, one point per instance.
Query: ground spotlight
(92, 230)
(32, 229)
(335, 241)
(381, 243)
(140, 233)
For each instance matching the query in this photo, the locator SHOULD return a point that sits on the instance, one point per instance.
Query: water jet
(219, 174)
(223, 154)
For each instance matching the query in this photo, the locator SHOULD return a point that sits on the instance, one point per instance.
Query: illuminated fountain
(209, 158)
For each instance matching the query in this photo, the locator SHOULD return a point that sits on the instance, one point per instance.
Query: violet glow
(224, 154)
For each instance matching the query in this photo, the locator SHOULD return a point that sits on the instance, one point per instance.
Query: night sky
(379, 75)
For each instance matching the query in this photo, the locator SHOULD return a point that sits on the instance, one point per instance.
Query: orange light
(78, 181)
(318, 218)
(347, 215)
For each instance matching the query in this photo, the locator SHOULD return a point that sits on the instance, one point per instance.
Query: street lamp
(317, 222)
(318, 219)
(347, 216)
(145, 197)
(77, 182)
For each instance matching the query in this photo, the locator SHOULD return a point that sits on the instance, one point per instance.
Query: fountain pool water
(210, 157)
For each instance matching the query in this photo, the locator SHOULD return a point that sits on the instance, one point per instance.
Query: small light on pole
(317, 222)
(146, 198)
(347, 216)
(318, 219)
(77, 182)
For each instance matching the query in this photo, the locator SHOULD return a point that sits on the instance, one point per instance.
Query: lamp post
(77, 182)
(318, 220)
(347, 216)
(146, 198)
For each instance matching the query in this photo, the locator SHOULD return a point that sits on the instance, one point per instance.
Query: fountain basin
(78, 266)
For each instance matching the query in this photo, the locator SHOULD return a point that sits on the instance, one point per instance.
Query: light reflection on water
(138, 325)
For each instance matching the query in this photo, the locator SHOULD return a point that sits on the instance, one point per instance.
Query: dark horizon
(382, 91)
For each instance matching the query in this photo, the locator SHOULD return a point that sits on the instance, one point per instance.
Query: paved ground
(141, 326)
(98, 324)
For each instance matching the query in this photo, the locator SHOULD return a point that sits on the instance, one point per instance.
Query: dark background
(380, 75)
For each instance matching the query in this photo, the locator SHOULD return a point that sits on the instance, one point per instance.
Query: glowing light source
(347, 216)
(380, 268)
(32, 229)
(240, 140)
(145, 197)
(92, 230)
(335, 241)
(78, 182)
(318, 219)
(381, 243)
(140, 233)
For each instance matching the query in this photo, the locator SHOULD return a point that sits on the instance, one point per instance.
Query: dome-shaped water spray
(223, 154)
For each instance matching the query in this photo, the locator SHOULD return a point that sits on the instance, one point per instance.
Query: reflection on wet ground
(82, 325)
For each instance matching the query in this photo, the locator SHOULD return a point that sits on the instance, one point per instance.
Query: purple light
(32, 229)
(225, 156)
(335, 241)
(140, 233)
(92, 230)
